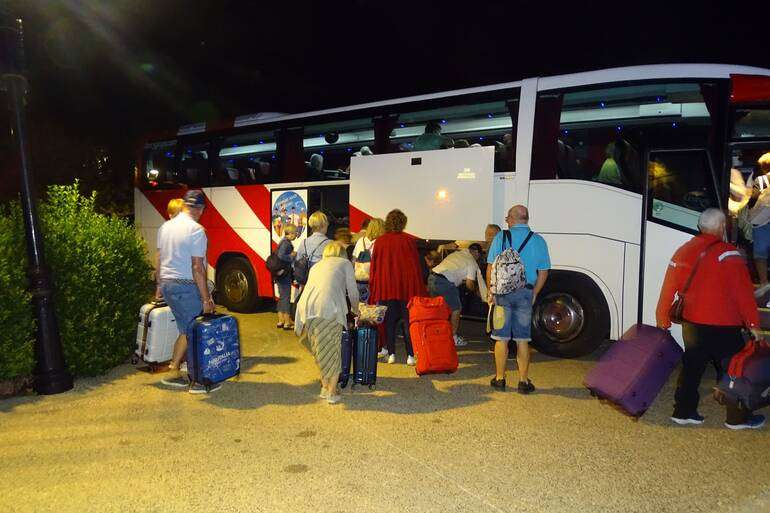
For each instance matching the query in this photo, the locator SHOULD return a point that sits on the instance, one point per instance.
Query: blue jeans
(284, 294)
(761, 235)
(438, 285)
(518, 315)
(185, 303)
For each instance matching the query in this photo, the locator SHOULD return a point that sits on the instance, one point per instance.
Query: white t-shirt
(180, 239)
(362, 244)
(458, 266)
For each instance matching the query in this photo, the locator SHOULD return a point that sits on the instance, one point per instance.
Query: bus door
(681, 183)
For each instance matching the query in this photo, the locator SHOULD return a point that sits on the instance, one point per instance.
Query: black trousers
(704, 344)
(397, 311)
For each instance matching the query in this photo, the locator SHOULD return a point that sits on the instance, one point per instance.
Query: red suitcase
(428, 309)
(434, 347)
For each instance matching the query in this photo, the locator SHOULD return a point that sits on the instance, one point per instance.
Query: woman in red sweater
(395, 277)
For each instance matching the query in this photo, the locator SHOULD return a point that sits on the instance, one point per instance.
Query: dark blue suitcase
(347, 355)
(365, 357)
(214, 353)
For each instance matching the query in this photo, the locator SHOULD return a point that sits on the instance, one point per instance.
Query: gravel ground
(265, 443)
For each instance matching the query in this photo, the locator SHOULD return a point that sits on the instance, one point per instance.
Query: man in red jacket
(719, 304)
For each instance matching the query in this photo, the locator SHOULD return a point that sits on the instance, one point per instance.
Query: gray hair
(711, 221)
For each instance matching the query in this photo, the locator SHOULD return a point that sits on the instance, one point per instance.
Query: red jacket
(395, 271)
(721, 293)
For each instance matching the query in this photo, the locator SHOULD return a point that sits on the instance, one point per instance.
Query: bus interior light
(442, 195)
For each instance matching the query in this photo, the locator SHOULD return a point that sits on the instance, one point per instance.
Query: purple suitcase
(635, 368)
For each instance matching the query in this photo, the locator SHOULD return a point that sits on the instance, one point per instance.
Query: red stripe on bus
(357, 218)
(257, 197)
(221, 237)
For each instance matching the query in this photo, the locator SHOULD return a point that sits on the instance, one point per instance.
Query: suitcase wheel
(372, 387)
(134, 360)
(593, 394)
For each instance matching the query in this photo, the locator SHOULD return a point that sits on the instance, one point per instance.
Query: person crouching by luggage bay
(182, 279)
(719, 304)
(285, 253)
(445, 278)
(322, 314)
(395, 277)
(517, 305)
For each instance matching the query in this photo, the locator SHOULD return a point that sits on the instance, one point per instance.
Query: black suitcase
(365, 357)
(348, 336)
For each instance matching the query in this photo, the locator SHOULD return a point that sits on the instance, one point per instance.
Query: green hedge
(101, 278)
(16, 316)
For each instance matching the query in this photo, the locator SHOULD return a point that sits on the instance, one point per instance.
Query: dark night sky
(109, 71)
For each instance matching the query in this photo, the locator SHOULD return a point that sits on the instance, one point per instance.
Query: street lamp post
(51, 376)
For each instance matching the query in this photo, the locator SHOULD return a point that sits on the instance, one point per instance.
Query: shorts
(185, 303)
(438, 285)
(518, 315)
(761, 236)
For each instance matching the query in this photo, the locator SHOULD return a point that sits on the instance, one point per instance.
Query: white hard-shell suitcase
(156, 333)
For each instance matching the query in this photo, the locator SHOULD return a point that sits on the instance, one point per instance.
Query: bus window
(462, 126)
(750, 123)
(194, 167)
(602, 134)
(680, 187)
(159, 164)
(329, 147)
(246, 159)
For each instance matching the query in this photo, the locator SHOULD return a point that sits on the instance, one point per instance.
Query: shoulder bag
(677, 307)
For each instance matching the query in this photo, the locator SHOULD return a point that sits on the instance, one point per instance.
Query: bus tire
(237, 285)
(570, 317)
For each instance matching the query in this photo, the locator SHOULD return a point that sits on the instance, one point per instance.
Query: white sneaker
(333, 399)
(383, 353)
(410, 361)
(324, 394)
(392, 358)
(459, 341)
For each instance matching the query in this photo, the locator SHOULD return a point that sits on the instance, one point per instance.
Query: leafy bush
(16, 315)
(101, 278)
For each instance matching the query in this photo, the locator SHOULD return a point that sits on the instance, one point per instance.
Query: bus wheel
(236, 285)
(570, 318)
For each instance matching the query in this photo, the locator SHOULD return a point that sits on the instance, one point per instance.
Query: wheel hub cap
(236, 286)
(559, 316)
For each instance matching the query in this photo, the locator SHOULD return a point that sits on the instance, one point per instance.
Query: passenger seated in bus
(315, 166)
(363, 152)
(462, 143)
(663, 183)
(610, 170)
(431, 139)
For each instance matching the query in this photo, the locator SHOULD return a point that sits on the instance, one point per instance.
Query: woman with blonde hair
(362, 255)
(396, 277)
(313, 246)
(174, 207)
(322, 314)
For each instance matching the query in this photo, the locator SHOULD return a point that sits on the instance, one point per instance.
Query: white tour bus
(615, 166)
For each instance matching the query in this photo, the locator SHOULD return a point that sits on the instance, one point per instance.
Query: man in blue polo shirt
(518, 304)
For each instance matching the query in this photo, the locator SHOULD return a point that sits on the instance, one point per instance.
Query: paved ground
(444, 444)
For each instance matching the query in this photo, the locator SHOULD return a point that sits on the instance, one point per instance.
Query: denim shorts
(438, 285)
(518, 315)
(185, 303)
(761, 236)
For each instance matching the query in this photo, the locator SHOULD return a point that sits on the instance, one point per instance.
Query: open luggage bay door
(446, 194)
